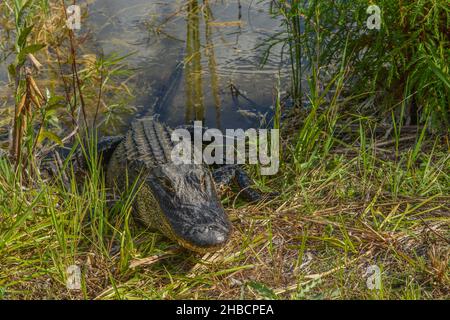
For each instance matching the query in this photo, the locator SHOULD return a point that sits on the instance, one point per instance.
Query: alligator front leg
(224, 176)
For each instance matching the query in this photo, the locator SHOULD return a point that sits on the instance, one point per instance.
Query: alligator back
(146, 145)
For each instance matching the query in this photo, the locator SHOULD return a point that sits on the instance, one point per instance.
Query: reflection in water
(195, 109)
(193, 74)
(212, 64)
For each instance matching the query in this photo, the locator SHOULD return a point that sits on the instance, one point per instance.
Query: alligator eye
(167, 184)
(203, 183)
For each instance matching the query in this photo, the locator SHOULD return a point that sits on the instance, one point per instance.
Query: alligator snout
(209, 236)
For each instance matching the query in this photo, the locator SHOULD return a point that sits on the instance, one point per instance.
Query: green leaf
(441, 75)
(12, 70)
(49, 135)
(22, 11)
(263, 290)
(17, 6)
(55, 100)
(22, 40)
(27, 50)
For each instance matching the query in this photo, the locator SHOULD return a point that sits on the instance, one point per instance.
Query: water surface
(218, 43)
(221, 43)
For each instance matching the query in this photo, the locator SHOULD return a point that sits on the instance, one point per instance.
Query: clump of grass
(403, 65)
(49, 227)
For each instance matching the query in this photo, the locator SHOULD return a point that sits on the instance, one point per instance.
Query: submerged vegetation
(364, 176)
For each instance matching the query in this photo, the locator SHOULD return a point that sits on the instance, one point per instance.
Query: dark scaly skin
(226, 174)
(178, 200)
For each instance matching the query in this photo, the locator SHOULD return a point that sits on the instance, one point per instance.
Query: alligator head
(190, 206)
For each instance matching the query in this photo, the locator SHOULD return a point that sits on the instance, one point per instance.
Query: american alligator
(180, 201)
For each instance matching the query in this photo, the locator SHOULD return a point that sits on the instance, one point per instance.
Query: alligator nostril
(209, 235)
(217, 236)
(220, 238)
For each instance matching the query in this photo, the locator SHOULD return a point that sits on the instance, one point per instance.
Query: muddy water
(220, 43)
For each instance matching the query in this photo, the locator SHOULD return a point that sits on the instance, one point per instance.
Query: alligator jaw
(207, 242)
(207, 237)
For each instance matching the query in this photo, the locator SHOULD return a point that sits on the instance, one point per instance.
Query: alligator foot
(224, 175)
